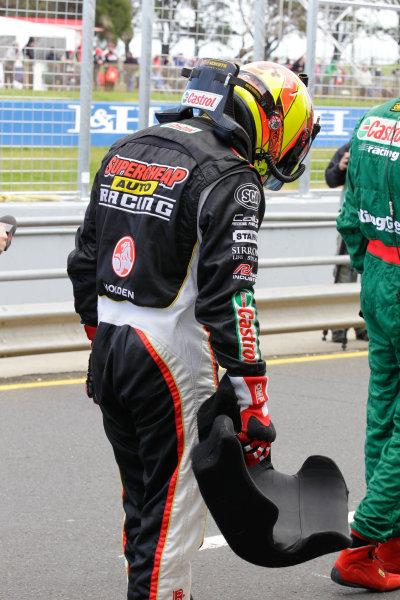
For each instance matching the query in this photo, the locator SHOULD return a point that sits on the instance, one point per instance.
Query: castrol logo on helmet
(247, 333)
(200, 99)
(380, 131)
(123, 257)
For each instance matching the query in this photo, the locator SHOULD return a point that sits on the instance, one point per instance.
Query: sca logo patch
(248, 195)
(123, 257)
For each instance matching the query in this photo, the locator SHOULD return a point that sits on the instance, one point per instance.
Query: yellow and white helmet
(275, 108)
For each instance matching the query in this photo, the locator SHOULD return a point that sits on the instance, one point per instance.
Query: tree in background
(115, 18)
(203, 21)
(224, 23)
(282, 17)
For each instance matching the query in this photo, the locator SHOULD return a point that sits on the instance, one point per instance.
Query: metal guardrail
(263, 263)
(33, 274)
(309, 308)
(61, 221)
(44, 328)
(75, 220)
(51, 225)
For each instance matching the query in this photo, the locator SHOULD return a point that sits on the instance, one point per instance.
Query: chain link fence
(40, 77)
(349, 49)
(354, 66)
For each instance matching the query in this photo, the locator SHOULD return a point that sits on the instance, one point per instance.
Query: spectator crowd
(60, 70)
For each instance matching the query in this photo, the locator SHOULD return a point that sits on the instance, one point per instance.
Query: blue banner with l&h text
(56, 123)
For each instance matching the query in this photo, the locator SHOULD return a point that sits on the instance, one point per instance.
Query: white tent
(20, 30)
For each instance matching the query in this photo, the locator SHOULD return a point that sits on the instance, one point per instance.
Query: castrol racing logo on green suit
(246, 319)
(377, 130)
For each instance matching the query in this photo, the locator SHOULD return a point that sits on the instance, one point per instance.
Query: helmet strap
(261, 155)
(217, 79)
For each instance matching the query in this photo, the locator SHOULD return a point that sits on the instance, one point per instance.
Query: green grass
(117, 95)
(54, 169)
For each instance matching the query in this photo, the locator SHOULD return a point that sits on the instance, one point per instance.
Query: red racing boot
(360, 568)
(389, 554)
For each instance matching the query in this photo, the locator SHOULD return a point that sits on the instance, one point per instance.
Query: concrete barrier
(308, 308)
(54, 327)
(40, 328)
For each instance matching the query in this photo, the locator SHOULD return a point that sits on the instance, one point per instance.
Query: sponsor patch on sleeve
(248, 195)
(246, 329)
(396, 107)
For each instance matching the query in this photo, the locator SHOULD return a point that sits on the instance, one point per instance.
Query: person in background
(167, 61)
(12, 54)
(328, 78)
(335, 176)
(318, 78)
(53, 69)
(29, 56)
(8, 226)
(179, 60)
(299, 65)
(3, 238)
(339, 79)
(369, 223)
(97, 64)
(365, 81)
(157, 78)
(111, 62)
(131, 66)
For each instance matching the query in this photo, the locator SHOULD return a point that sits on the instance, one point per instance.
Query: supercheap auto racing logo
(133, 186)
(141, 176)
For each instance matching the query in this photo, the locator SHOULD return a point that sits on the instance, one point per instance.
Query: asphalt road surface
(60, 509)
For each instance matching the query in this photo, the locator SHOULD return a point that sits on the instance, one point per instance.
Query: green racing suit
(369, 222)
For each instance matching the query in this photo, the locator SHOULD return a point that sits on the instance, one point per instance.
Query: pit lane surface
(60, 510)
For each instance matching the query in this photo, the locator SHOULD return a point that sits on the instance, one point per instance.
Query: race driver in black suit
(163, 274)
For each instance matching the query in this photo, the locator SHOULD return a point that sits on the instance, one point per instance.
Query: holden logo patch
(123, 257)
(248, 195)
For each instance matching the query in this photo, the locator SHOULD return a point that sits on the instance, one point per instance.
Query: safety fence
(40, 74)
(49, 84)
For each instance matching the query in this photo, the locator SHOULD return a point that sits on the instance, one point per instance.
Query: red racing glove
(257, 432)
(90, 332)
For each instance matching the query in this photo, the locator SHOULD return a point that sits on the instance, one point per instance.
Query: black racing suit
(165, 263)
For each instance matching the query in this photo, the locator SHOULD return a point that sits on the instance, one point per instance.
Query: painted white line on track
(215, 541)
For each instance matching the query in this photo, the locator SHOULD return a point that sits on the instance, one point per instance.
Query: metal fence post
(312, 9)
(259, 30)
(86, 98)
(145, 63)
